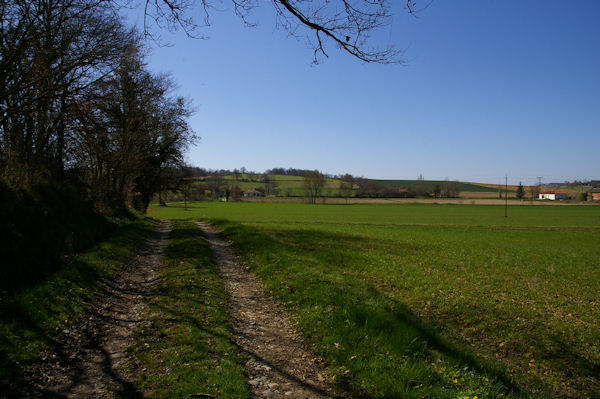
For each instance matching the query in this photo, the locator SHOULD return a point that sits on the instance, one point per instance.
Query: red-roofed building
(252, 193)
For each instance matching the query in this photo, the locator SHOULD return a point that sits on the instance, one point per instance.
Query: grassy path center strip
(186, 346)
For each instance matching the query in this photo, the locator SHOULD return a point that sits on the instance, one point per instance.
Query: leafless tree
(367, 187)
(346, 186)
(185, 182)
(534, 191)
(450, 189)
(216, 184)
(253, 176)
(347, 24)
(313, 185)
(421, 189)
(270, 184)
(50, 52)
(73, 100)
(236, 194)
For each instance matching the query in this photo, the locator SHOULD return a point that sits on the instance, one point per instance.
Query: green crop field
(412, 184)
(448, 301)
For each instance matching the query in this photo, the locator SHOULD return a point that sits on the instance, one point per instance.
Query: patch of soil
(279, 364)
(87, 361)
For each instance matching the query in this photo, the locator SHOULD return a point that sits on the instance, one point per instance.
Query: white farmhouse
(551, 195)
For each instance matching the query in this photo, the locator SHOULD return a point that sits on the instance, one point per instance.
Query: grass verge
(187, 345)
(32, 320)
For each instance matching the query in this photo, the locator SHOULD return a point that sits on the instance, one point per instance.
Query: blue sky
(490, 88)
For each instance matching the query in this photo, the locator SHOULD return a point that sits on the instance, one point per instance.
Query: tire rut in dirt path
(88, 361)
(279, 365)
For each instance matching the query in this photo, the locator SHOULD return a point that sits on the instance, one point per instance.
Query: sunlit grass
(490, 216)
(406, 300)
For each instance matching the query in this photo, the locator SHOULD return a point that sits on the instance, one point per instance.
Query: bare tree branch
(349, 24)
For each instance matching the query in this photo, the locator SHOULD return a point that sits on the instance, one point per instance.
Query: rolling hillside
(291, 186)
(411, 184)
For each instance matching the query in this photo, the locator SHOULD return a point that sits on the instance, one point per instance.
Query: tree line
(86, 130)
(206, 184)
(78, 105)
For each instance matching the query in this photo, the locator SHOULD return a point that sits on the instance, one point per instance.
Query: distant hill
(412, 184)
(286, 185)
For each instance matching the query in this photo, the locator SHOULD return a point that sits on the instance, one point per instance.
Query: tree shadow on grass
(62, 367)
(361, 319)
(23, 321)
(65, 353)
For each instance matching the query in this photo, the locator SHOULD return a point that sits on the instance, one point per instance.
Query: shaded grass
(187, 346)
(40, 225)
(33, 320)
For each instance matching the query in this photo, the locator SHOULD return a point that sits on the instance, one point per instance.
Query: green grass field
(433, 300)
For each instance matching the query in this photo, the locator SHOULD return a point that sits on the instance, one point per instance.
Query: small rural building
(595, 194)
(552, 195)
(252, 193)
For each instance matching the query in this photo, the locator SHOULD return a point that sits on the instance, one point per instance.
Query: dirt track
(279, 364)
(86, 363)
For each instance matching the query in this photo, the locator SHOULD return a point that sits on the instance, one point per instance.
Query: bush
(581, 197)
(40, 225)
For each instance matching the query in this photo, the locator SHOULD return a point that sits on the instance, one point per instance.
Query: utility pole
(506, 197)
